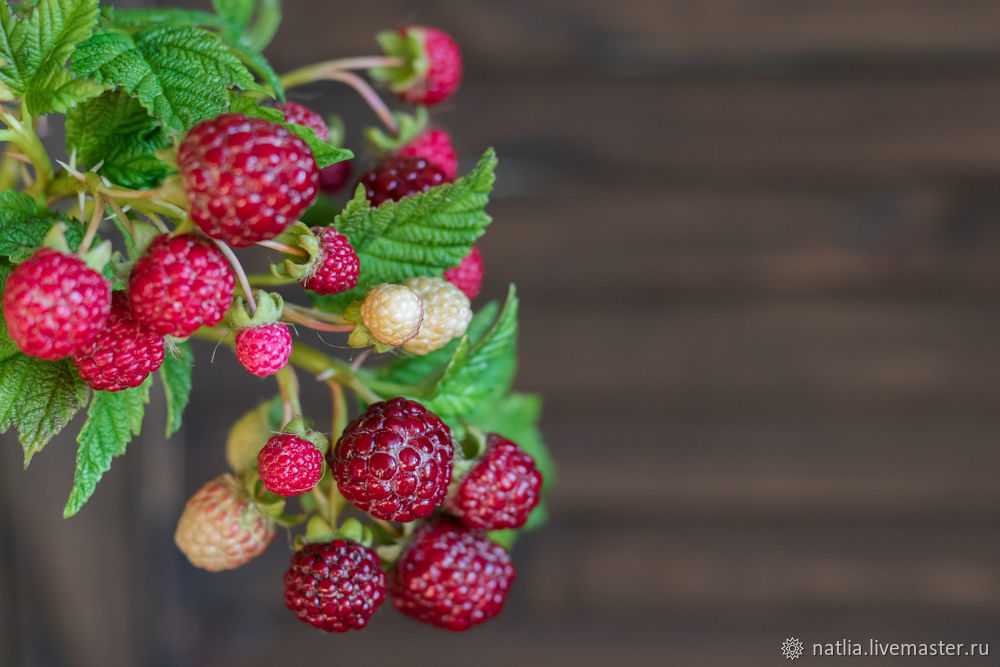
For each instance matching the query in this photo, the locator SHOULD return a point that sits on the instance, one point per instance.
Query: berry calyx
(246, 178)
(335, 586)
(392, 313)
(434, 145)
(124, 353)
(289, 465)
(264, 350)
(399, 176)
(451, 577)
(443, 67)
(54, 304)
(501, 489)
(447, 314)
(302, 115)
(221, 528)
(336, 266)
(180, 284)
(394, 461)
(468, 276)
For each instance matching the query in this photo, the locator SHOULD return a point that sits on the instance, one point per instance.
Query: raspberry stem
(268, 280)
(281, 247)
(288, 385)
(95, 222)
(22, 134)
(241, 275)
(320, 71)
(299, 318)
(339, 410)
(354, 81)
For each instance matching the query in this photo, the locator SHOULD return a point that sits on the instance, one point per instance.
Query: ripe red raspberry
(334, 176)
(337, 265)
(246, 178)
(444, 71)
(302, 115)
(468, 276)
(394, 461)
(500, 491)
(336, 586)
(398, 177)
(180, 284)
(264, 350)
(434, 145)
(451, 577)
(54, 304)
(124, 353)
(221, 528)
(289, 465)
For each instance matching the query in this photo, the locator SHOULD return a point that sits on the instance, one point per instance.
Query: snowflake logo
(792, 648)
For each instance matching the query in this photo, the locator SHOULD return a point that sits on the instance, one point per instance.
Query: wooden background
(759, 255)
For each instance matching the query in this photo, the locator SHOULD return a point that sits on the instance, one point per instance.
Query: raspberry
(334, 176)
(337, 265)
(54, 304)
(500, 491)
(398, 177)
(392, 313)
(446, 314)
(221, 528)
(124, 353)
(336, 586)
(246, 178)
(468, 276)
(180, 284)
(289, 465)
(434, 145)
(306, 117)
(264, 350)
(444, 71)
(451, 577)
(394, 461)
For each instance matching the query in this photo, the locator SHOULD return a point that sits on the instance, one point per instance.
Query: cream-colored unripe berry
(392, 313)
(447, 314)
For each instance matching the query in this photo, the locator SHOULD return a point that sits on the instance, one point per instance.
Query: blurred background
(759, 261)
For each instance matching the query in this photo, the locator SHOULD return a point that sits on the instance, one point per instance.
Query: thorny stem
(241, 275)
(322, 70)
(288, 385)
(95, 222)
(308, 75)
(281, 247)
(120, 214)
(22, 134)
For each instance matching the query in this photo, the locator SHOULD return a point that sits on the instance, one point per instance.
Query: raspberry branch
(322, 70)
(360, 86)
(241, 275)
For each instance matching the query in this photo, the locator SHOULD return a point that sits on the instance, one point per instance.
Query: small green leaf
(515, 417)
(24, 225)
(323, 153)
(176, 375)
(112, 420)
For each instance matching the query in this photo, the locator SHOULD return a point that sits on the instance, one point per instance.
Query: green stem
(339, 411)
(22, 133)
(267, 280)
(321, 71)
(288, 384)
(95, 222)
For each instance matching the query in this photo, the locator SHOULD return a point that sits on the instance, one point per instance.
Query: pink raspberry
(180, 284)
(334, 176)
(54, 304)
(434, 145)
(306, 117)
(246, 179)
(264, 350)
(444, 72)
(468, 276)
(398, 177)
(124, 353)
(337, 265)
(451, 577)
(394, 461)
(289, 465)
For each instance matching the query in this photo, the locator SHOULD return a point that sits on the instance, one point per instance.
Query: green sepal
(318, 530)
(353, 530)
(98, 256)
(269, 307)
(409, 127)
(409, 47)
(250, 433)
(297, 268)
(55, 238)
(300, 428)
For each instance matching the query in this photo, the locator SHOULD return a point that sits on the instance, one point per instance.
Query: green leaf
(264, 27)
(24, 224)
(115, 130)
(113, 418)
(324, 153)
(34, 51)
(176, 375)
(142, 18)
(235, 14)
(181, 75)
(262, 68)
(420, 235)
(516, 417)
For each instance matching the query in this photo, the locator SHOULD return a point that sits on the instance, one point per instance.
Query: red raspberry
(306, 117)
(445, 67)
(289, 465)
(54, 304)
(335, 586)
(434, 145)
(246, 178)
(500, 491)
(451, 577)
(124, 353)
(394, 461)
(264, 350)
(180, 284)
(398, 177)
(468, 276)
(337, 265)
(334, 176)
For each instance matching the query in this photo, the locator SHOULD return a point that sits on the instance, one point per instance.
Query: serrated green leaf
(24, 224)
(324, 153)
(264, 27)
(116, 131)
(176, 376)
(420, 235)
(262, 68)
(143, 18)
(113, 418)
(181, 75)
(516, 417)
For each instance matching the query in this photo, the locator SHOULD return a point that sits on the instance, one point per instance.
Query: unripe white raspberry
(220, 528)
(447, 314)
(392, 313)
